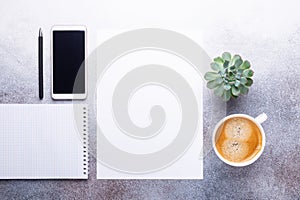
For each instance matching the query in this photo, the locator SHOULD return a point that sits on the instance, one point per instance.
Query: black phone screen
(68, 66)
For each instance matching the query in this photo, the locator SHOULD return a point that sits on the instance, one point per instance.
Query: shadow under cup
(239, 139)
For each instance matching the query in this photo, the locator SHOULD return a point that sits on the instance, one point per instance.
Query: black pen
(41, 92)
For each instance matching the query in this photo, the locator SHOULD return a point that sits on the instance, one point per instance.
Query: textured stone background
(267, 33)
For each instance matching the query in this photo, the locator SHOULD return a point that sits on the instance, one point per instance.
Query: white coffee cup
(257, 121)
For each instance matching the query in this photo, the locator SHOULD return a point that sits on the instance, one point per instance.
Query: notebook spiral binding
(85, 141)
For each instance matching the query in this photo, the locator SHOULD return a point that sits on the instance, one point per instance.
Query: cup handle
(261, 118)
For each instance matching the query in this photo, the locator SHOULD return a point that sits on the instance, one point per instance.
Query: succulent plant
(231, 76)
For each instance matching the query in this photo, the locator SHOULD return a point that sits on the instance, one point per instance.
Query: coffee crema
(238, 139)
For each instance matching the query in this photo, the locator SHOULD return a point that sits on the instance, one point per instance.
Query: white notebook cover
(43, 141)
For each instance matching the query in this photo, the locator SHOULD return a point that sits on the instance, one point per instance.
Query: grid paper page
(41, 141)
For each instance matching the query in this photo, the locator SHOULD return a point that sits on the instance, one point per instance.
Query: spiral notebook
(43, 141)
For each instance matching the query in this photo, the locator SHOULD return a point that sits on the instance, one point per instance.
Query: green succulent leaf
(212, 84)
(219, 60)
(238, 62)
(226, 95)
(245, 65)
(220, 80)
(219, 90)
(248, 73)
(222, 73)
(235, 91)
(237, 83)
(238, 76)
(226, 64)
(234, 59)
(249, 82)
(216, 66)
(239, 72)
(244, 89)
(243, 80)
(226, 56)
(227, 87)
(209, 76)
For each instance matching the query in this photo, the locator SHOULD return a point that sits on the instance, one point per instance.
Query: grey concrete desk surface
(268, 34)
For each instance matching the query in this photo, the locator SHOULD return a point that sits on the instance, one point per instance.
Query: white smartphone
(68, 62)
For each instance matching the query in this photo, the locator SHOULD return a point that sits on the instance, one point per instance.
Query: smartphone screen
(68, 66)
